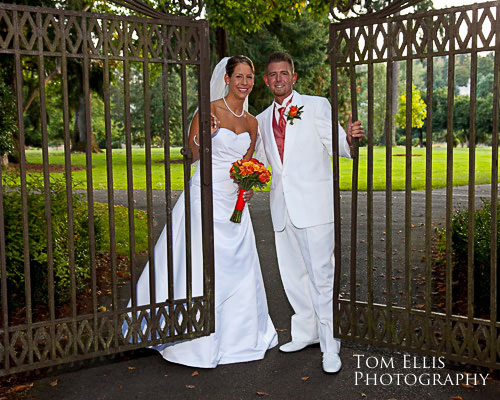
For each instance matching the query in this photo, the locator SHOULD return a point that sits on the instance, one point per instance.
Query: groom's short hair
(278, 57)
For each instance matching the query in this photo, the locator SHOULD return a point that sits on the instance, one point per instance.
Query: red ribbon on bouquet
(240, 203)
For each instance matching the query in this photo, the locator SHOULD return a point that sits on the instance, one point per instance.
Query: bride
(243, 328)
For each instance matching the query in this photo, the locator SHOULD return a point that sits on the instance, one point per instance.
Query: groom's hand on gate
(354, 130)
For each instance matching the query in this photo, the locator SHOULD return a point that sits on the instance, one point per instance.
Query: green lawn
(122, 239)
(460, 162)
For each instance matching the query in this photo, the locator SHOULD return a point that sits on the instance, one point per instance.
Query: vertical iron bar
(187, 191)
(494, 195)
(24, 193)
(46, 185)
(110, 183)
(472, 188)
(449, 183)
(90, 189)
(336, 187)
(408, 181)
(3, 269)
(149, 183)
(130, 176)
(167, 166)
(428, 183)
(69, 187)
(388, 182)
(369, 187)
(206, 174)
(354, 193)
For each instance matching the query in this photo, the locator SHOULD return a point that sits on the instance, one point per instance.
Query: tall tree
(306, 39)
(239, 17)
(52, 69)
(418, 112)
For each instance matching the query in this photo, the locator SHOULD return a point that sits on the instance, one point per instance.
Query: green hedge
(8, 110)
(37, 226)
(482, 253)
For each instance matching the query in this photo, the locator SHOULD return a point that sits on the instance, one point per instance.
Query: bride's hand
(214, 124)
(247, 196)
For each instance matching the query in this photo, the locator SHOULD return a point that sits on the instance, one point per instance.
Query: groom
(296, 139)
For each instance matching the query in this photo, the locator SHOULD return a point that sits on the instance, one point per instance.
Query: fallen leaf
(190, 386)
(195, 373)
(20, 388)
(467, 386)
(53, 383)
(420, 306)
(456, 398)
(304, 378)
(101, 309)
(262, 394)
(280, 330)
(131, 367)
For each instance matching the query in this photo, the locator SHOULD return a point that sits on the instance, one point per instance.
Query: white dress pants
(306, 264)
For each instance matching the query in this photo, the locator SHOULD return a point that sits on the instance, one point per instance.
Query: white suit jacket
(303, 183)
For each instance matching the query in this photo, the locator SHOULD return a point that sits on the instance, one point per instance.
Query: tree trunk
(79, 139)
(421, 137)
(395, 97)
(15, 156)
(5, 161)
(221, 46)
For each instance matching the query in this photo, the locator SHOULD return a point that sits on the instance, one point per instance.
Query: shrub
(37, 227)
(482, 252)
(8, 112)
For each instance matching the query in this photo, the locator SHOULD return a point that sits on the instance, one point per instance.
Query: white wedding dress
(243, 328)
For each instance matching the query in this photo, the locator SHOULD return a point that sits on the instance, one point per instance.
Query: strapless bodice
(227, 147)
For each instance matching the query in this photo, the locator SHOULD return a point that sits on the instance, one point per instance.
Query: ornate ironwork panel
(391, 288)
(100, 313)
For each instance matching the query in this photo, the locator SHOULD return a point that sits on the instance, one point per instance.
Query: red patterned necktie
(279, 129)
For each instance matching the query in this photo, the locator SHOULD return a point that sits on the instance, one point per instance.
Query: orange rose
(249, 167)
(293, 111)
(264, 178)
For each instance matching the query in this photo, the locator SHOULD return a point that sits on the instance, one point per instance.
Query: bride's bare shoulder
(252, 123)
(214, 105)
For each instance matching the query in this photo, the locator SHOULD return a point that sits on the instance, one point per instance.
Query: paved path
(145, 375)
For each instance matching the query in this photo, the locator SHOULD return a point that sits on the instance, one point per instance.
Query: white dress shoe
(331, 362)
(295, 345)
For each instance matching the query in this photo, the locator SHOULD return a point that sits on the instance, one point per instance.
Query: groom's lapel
(292, 130)
(270, 135)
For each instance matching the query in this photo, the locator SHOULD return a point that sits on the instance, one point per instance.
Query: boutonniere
(294, 113)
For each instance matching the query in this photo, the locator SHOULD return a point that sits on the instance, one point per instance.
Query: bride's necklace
(232, 112)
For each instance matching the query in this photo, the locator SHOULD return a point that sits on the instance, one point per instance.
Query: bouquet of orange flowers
(248, 174)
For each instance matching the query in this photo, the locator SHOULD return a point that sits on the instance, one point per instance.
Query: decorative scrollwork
(342, 10)
(171, 8)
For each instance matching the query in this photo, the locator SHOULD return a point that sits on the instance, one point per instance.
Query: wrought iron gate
(160, 42)
(379, 297)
